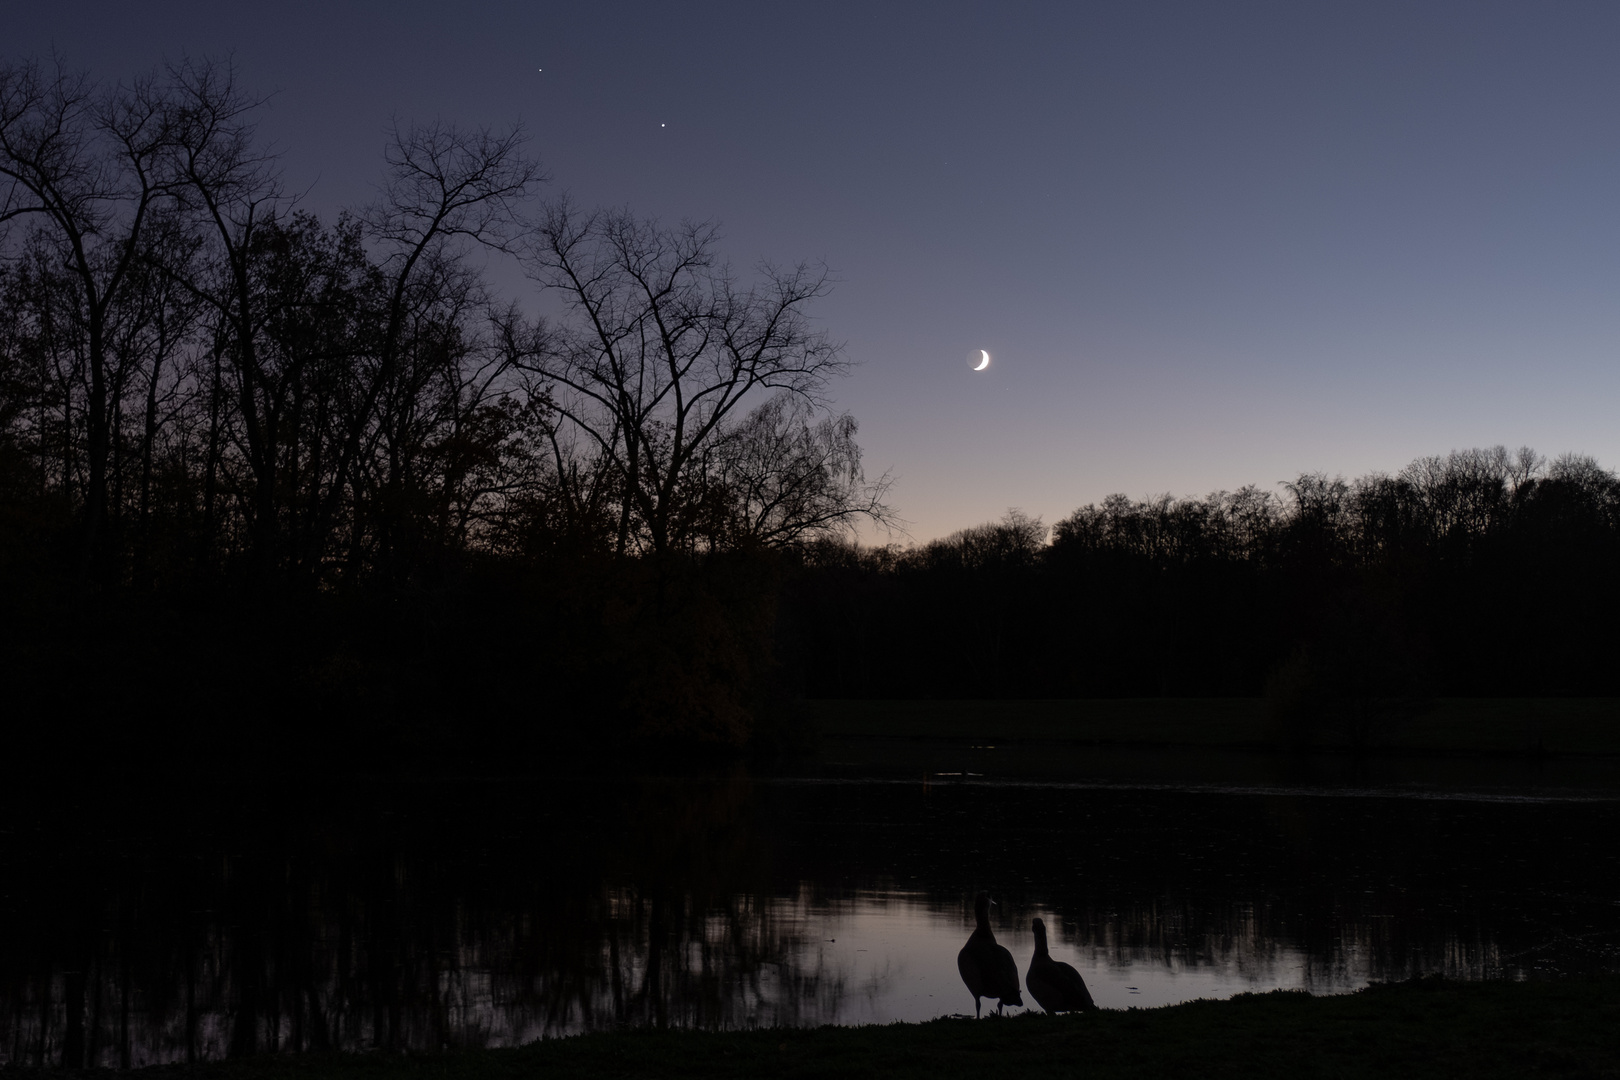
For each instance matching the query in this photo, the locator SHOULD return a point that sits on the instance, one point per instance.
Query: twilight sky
(1207, 244)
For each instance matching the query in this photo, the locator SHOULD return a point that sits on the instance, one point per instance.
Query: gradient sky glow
(1208, 244)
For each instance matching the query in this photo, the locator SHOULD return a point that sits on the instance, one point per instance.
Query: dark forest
(275, 489)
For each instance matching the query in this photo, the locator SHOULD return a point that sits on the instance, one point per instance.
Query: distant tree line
(1481, 573)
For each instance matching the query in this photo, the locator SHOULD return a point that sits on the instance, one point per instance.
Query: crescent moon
(983, 363)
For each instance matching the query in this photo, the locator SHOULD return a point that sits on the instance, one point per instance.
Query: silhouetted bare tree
(230, 189)
(659, 350)
(446, 188)
(324, 343)
(85, 161)
(786, 475)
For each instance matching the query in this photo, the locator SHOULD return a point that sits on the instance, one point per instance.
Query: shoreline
(1492, 727)
(1420, 1028)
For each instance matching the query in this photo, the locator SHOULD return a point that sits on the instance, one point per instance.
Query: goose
(988, 968)
(1054, 985)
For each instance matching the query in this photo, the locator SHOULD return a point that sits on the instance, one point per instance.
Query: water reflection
(145, 930)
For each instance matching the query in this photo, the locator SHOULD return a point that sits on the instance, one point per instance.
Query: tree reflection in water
(211, 924)
(329, 924)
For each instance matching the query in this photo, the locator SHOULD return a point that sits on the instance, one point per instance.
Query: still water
(140, 927)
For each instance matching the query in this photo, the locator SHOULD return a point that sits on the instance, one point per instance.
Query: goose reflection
(988, 968)
(1055, 986)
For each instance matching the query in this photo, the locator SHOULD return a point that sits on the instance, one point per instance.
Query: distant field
(1450, 725)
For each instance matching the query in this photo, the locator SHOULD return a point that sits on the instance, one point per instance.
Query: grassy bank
(1584, 726)
(1429, 1028)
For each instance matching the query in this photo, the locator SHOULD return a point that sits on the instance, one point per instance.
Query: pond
(142, 926)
